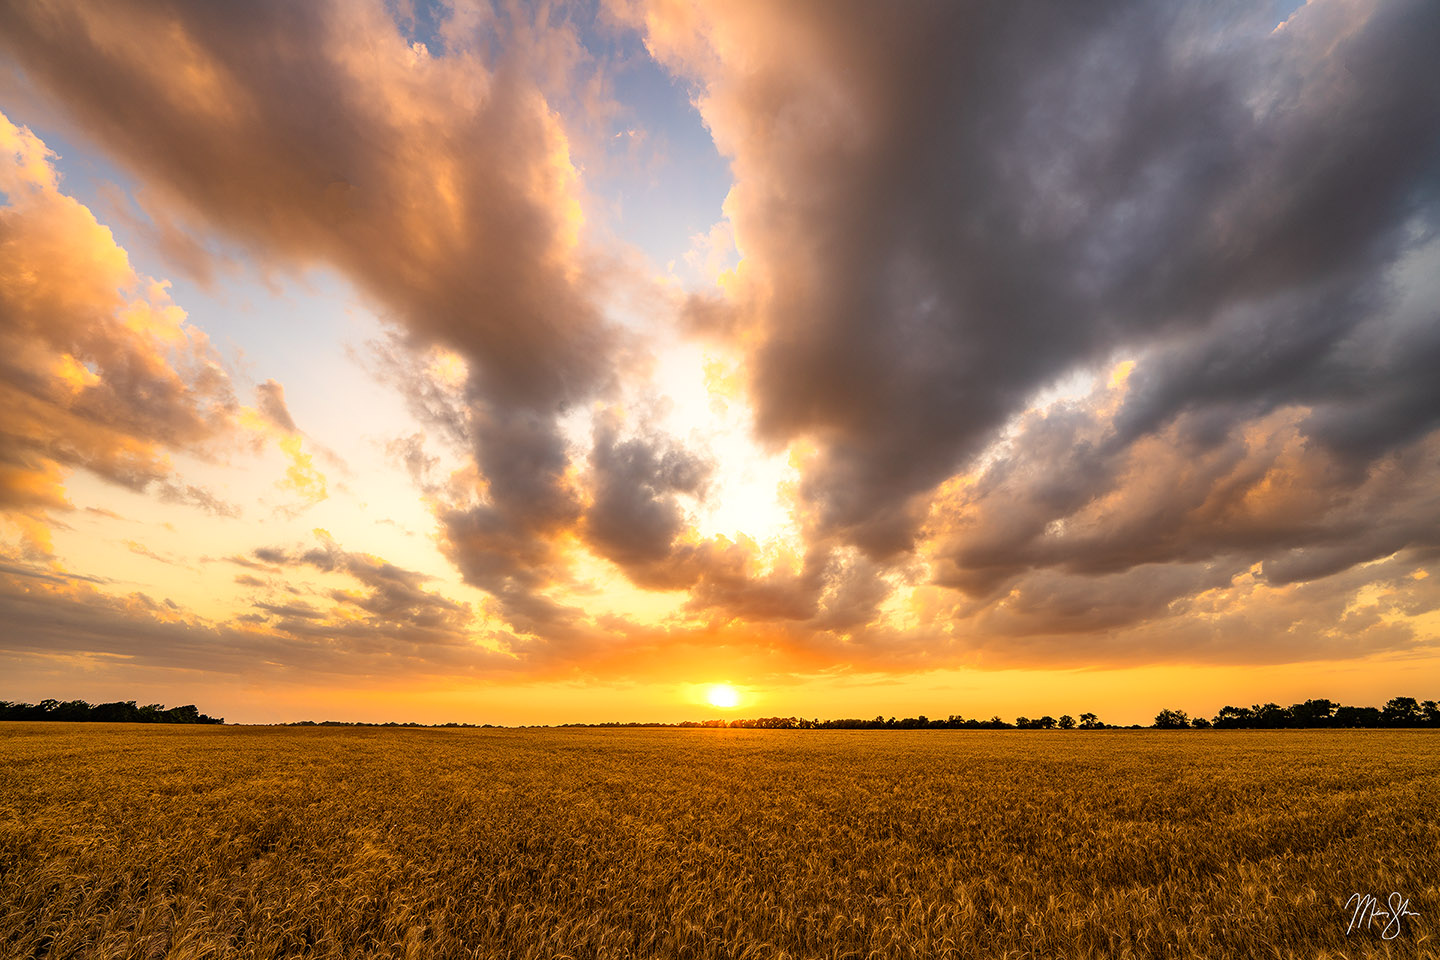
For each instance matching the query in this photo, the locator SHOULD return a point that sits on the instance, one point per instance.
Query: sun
(724, 696)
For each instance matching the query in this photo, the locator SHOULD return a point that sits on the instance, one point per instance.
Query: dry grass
(129, 841)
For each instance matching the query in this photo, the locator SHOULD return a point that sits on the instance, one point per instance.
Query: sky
(542, 362)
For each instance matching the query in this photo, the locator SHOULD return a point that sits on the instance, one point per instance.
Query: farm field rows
(145, 841)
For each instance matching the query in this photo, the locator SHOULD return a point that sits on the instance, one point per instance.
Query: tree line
(1312, 714)
(1316, 714)
(121, 711)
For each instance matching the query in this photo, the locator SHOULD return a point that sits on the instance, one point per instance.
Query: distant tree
(1313, 713)
(1272, 716)
(1067, 722)
(1172, 720)
(1233, 718)
(1357, 717)
(120, 711)
(1402, 712)
(1046, 722)
(72, 710)
(1088, 721)
(186, 714)
(774, 723)
(1200, 723)
(1431, 712)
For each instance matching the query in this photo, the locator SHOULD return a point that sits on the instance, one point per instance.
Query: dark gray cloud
(953, 205)
(1071, 548)
(635, 515)
(506, 542)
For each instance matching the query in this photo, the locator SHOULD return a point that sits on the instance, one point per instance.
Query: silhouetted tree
(1067, 722)
(1233, 718)
(1402, 712)
(1357, 717)
(120, 711)
(1271, 716)
(1313, 713)
(1172, 720)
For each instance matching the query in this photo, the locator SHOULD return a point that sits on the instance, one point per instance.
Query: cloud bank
(1097, 334)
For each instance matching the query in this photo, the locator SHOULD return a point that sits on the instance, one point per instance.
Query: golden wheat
(130, 841)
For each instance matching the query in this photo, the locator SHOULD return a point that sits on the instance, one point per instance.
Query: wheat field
(132, 841)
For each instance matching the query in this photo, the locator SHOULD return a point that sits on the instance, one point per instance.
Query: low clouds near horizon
(1079, 335)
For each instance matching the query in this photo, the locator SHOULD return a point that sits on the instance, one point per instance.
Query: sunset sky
(536, 363)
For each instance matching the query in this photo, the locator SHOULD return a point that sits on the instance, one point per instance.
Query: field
(182, 842)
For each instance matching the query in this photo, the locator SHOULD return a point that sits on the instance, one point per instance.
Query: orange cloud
(101, 370)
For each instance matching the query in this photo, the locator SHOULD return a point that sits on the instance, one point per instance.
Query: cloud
(179, 247)
(100, 370)
(441, 185)
(465, 221)
(946, 212)
(410, 451)
(63, 617)
(635, 515)
(270, 398)
(947, 208)
(391, 594)
(954, 222)
(379, 620)
(188, 493)
(139, 549)
(1176, 613)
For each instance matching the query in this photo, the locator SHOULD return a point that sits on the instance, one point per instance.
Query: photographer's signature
(1365, 911)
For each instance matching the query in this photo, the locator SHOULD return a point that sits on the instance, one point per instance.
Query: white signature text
(1365, 910)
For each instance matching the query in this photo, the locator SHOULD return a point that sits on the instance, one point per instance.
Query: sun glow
(724, 696)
